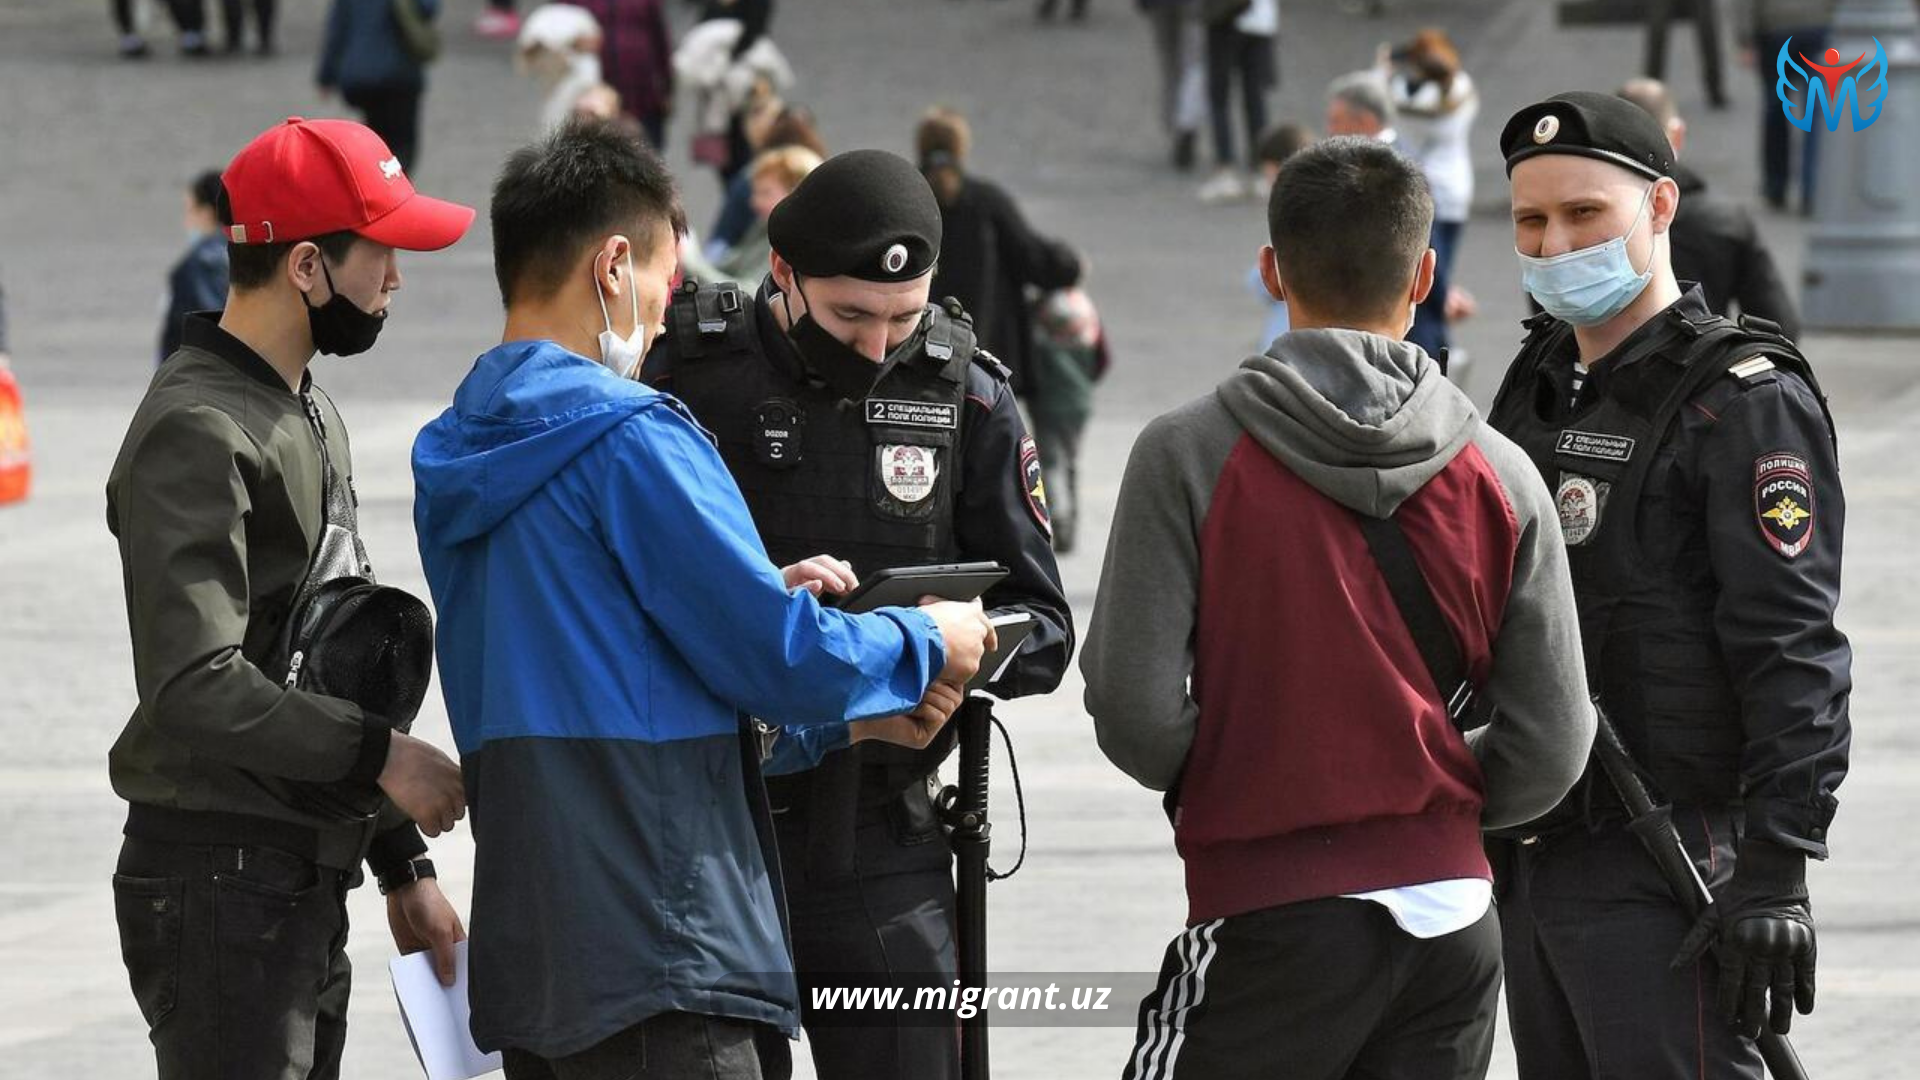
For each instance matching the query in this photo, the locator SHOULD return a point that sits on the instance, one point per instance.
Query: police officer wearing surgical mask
(1693, 463)
(861, 420)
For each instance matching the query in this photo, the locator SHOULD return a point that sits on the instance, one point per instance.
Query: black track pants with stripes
(1321, 990)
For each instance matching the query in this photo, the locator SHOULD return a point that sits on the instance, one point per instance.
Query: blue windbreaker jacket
(607, 616)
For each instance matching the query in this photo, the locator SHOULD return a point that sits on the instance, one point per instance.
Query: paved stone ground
(97, 151)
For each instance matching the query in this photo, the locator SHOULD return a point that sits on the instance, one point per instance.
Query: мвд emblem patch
(1783, 502)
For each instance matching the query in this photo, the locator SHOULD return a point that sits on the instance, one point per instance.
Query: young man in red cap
(230, 893)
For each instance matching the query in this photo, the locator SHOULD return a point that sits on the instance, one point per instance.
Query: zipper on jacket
(318, 425)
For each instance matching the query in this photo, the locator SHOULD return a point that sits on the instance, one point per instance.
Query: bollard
(1862, 268)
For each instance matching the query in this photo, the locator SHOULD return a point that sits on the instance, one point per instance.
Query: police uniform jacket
(1707, 601)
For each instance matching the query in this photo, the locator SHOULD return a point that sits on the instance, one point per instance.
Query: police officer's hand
(914, 730)
(821, 573)
(1761, 932)
(421, 920)
(967, 634)
(424, 783)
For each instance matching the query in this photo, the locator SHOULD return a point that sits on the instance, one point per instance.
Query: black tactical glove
(1761, 929)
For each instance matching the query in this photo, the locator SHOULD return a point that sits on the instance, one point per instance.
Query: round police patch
(896, 259)
(1783, 502)
(1578, 501)
(1546, 129)
(908, 472)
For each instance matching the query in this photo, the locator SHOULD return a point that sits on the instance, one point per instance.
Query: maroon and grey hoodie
(1245, 646)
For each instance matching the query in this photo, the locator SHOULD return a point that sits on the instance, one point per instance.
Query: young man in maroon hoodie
(1247, 654)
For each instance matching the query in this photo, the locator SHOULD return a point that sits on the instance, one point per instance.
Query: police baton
(965, 810)
(1652, 823)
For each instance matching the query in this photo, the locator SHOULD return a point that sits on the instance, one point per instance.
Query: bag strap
(1414, 597)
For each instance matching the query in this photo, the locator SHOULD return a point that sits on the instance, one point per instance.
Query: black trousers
(1590, 929)
(1321, 990)
(1777, 136)
(1248, 58)
(233, 20)
(237, 956)
(670, 1046)
(889, 924)
(393, 112)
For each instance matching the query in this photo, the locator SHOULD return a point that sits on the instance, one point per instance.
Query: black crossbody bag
(348, 636)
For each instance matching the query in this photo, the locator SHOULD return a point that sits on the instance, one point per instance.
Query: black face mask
(339, 327)
(844, 369)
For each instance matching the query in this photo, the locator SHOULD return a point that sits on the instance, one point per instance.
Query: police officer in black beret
(1693, 462)
(862, 420)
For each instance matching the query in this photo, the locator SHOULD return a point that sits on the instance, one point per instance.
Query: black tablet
(903, 586)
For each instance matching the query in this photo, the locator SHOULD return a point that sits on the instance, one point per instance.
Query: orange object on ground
(16, 458)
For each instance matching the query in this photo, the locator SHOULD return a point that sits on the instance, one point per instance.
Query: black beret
(1599, 126)
(865, 213)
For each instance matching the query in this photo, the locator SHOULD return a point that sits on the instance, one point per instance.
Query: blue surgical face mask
(1591, 285)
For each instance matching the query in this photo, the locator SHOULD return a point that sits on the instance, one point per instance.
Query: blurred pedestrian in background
(372, 63)
(1715, 242)
(559, 45)
(1178, 49)
(1069, 356)
(198, 282)
(989, 256)
(636, 59)
(770, 124)
(130, 18)
(1076, 10)
(1240, 49)
(1764, 27)
(1358, 104)
(499, 22)
(233, 19)
(728, 64)
(772, 177)
(1434, 105)
(1276, 146)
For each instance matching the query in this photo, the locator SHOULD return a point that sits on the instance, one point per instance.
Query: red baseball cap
(307, 178)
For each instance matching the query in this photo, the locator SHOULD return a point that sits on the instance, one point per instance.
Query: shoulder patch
(1783, 502)
(991, 364)
(1034, 484)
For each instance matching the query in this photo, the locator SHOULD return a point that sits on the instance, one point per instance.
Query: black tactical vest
(1651, 651)
(873, 482)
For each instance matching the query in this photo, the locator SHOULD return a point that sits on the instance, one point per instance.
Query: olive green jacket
(216, 500)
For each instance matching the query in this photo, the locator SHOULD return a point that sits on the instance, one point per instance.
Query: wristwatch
(409, 872)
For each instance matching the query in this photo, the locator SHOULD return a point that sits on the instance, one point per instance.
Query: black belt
(174, 826)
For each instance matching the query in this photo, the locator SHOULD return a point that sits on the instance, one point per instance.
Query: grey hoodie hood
(1363, 418)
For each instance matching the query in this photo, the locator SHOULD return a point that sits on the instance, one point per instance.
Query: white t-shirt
(1434, 129)
(1437, 908)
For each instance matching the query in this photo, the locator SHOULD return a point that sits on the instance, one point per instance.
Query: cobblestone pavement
(97, 150)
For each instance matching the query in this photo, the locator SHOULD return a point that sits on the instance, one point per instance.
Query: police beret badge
(1546, 129)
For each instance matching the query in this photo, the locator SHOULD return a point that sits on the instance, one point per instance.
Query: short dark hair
(1349, 218)
(251, 266)
(205, 189)
(1281, 142)
(574, 187)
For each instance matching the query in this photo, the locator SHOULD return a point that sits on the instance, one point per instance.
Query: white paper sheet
(436, 1017)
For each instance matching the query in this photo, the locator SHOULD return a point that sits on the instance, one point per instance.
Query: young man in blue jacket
(608, 617)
